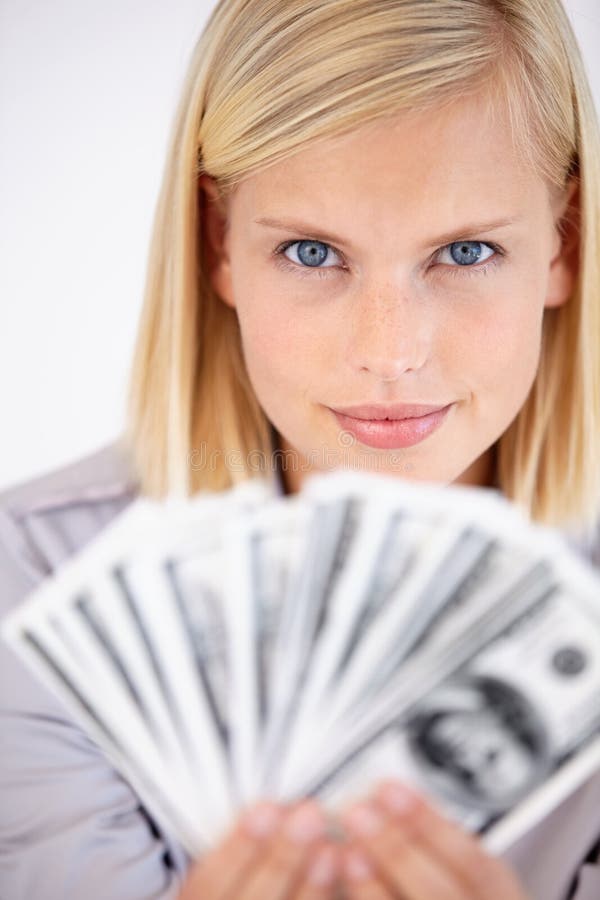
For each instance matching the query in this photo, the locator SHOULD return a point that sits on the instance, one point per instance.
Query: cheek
(284, 344)
(505, 341)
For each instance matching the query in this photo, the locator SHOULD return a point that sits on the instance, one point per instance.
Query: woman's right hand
(272, 853)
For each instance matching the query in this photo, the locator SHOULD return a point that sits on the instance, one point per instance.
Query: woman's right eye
(307, 254)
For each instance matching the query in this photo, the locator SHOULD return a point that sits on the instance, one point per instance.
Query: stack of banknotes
(241, 645)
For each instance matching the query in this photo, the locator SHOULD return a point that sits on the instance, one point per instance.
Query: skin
(271, 852)
(390, 316)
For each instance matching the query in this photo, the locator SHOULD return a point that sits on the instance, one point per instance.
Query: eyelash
(323, 271)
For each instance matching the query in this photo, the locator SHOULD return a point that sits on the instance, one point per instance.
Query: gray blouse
(70, 825)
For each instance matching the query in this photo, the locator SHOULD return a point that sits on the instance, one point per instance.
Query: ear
(214, 238)
(564, 266)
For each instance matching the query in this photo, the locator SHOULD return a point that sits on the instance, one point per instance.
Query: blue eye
(465, 253)
(309, 253)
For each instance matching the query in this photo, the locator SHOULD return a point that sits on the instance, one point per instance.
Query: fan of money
(240, 645)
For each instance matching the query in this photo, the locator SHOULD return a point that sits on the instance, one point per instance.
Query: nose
(389, 334)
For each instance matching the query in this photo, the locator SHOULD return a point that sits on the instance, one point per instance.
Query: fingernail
(262, 819)
(396, 797)
(323, 870)
(306, 823)
(357, 866)
(363, 819)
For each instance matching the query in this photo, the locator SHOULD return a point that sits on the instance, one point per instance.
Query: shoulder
(47, 518)
(43, 521)
(66, 815)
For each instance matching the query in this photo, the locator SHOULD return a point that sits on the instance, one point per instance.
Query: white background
(87, 95)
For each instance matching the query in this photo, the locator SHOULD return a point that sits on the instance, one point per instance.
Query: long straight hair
(266, 79)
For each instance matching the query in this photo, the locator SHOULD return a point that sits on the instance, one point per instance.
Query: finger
(480, 873)
(360, 880)
(279, 872)
(216, 875)
(321, 875)
(401, 862)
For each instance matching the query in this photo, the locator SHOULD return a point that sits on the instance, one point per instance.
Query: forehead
(428, 159)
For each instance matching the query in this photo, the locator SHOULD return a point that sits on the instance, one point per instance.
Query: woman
(367, 209)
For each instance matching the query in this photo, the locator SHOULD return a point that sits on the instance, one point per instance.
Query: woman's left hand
(399, 846)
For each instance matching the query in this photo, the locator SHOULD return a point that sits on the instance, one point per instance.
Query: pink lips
(393, 426)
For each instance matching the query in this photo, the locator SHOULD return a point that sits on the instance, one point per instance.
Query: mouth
(392, 427)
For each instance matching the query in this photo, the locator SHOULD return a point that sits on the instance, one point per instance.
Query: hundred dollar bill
(460, 574)
(504, 724)
(176, 588)
(389, 595)
(419, 669)
(329, 542)
(263, 549)
(85, 632)
(55, 640)
(350, 602)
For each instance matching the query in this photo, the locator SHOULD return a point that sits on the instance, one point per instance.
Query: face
(371, 269)
(493, 763)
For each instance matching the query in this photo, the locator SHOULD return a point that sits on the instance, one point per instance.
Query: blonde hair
(267, 78)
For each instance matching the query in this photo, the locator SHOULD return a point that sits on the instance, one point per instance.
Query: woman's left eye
(465, 254)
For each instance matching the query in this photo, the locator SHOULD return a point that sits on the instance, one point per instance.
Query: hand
(272, 852)
(400, 846)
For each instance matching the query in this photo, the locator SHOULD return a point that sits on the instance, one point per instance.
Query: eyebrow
(447, 238)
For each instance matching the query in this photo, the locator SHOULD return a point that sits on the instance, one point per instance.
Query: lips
(375, 412)
(392, 427)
